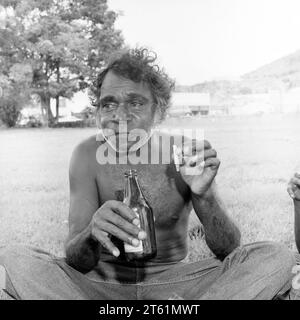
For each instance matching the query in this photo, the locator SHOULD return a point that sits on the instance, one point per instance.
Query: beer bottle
(135, 199)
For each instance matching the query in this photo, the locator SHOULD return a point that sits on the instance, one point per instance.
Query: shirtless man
(131, 91)
(294, 191)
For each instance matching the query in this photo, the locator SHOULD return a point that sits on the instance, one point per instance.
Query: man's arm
(221, 234)
(198, 167)
(294, 191)
(91, 226)
(82, 250)
(297, 223)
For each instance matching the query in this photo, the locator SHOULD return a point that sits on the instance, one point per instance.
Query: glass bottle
(135, 200)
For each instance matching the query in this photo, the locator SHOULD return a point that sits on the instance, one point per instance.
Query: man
(133, 94)
(294, 191)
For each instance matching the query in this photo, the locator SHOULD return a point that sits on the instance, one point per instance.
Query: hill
(285, 69)
(281, 73)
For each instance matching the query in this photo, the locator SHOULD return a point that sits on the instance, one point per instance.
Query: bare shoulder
(84, 154)
(86, 147)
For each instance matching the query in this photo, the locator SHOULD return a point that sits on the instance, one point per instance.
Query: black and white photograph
(149, 150)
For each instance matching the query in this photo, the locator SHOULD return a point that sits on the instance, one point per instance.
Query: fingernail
(142, 235)
(136, 221)
(116, 253)
(135, 242)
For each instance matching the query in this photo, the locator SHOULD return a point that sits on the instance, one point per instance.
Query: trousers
(261, 270)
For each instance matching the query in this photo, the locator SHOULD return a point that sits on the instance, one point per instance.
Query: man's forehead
(114, 84)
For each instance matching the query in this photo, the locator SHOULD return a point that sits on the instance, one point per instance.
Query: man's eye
(109, 106)
(136, 104)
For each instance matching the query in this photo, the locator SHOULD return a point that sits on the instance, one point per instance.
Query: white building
(190, 103)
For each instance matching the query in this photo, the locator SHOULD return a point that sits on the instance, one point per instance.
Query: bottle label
(129, 248)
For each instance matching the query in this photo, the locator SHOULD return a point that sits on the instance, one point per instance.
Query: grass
(258, 156)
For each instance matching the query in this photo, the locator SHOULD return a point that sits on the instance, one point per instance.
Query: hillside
(286, 69)
(283, 72)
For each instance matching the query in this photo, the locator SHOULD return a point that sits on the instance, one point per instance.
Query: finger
(296, 181)
(290, 191)
(182, 154)
(193, 161)
(121, 234)
(135, 231)
(213, 163)
(105, 241)
(210, 153)
(297, 175)
(202, 144)
(123, 210)
(207, 145)
(193, 146)
(121, 223)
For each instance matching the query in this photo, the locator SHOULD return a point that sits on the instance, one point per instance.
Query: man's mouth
(111, 133)
(122, 134)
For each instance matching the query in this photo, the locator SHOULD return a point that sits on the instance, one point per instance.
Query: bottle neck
(132, 189)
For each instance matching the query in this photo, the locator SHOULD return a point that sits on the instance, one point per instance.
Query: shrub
(9, 113)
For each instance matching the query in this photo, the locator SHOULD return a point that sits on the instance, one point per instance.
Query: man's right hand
(294, 187)
(117, 219)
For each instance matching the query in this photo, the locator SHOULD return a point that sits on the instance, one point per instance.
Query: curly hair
(138, 65)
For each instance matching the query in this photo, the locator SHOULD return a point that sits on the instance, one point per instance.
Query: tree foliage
(56, 45)
(13, 95)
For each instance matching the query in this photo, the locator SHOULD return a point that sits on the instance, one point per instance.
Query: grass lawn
(258, 156)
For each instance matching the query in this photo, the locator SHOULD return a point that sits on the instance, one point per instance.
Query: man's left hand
(198, 166)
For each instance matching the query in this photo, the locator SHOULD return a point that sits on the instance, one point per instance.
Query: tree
(13, 95)
(65, 43)
(15, 80)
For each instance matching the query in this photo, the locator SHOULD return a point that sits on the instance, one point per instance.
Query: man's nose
(122, 114)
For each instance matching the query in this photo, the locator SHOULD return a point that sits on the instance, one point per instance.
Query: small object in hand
(176, 158)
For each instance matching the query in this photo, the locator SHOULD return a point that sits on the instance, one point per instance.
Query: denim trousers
(261, 270)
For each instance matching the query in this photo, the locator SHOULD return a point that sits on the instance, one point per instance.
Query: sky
(199, 40)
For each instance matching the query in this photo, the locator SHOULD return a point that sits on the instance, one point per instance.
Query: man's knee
(274, 256)
(15, 257)
(20, 264)
(270, 248)
(267, 252)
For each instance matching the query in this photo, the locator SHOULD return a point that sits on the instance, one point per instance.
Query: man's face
(125, 104)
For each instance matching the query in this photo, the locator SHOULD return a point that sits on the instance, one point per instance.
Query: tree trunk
(45, 96)
(57, 97)
(45, 102)
(57, 108)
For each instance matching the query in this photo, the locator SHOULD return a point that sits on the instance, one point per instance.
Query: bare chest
(163, 188)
